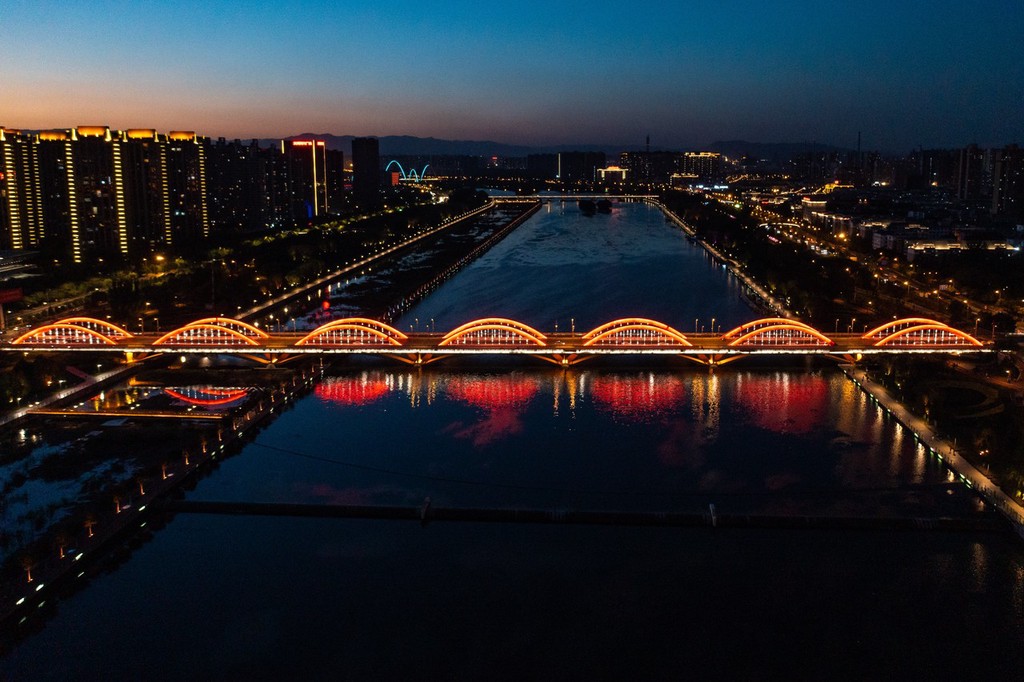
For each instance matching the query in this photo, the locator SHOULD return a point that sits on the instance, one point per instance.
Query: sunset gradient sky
(907, 73)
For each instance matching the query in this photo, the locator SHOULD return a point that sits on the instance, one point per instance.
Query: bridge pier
(418, 359)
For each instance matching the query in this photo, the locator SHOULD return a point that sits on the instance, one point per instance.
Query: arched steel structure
(889, 328)
(497, 335)
(634, 331)
(205, 335)
(353, 331)
(921, 332)
(494, 332)
(104, 327)
(764, 322)
(775, 332)
(411, 175)
(929, 336)
(64, 334)
(74, 331)
(243, 328)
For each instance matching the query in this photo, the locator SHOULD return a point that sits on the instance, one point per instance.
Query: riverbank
(944, 450)
(765, 300)
(128, 513)
(941, 448)
(55, 574)
(295, 295)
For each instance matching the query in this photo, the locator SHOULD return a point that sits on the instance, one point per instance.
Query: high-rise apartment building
(706, 166)
(21, 222)
(307, 170)
(366, 169)
(1008, 183)
(186, 190)
(94, 195)
(974, 174)
(579, 166)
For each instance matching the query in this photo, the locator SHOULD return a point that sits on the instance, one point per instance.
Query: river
(218, 597)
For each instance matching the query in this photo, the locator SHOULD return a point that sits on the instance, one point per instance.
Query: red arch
(610, 329)
(750, 338)
(223, 334)
(497, 321)
(384, 332)
(747, 327)
(227, 396)
(525, 332)
(83, 334)
(102, 326)
(232, 324)
(895, 338)
(890, 328)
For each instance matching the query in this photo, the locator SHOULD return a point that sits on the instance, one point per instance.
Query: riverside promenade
(943, 449)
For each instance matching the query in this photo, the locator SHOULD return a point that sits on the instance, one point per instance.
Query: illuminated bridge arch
(634, 331)
(411, 175)
(494, 332)
(64, 334)
(207, 396)
(764, 322)
(243, 328)
(353, 331)
(890, 328)
(775, 332)
(202, 334)
(104, 327)
(930, 336)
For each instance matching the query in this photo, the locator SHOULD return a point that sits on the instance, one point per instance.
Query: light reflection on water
(388, 434)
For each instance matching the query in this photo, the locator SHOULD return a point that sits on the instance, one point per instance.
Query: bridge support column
(418, 359)
(565, 360)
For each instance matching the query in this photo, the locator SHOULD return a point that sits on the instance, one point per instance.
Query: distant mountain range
(408, 145)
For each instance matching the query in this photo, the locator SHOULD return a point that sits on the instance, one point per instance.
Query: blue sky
(904, 73)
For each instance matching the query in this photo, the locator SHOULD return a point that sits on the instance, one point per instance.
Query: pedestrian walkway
(942, 448)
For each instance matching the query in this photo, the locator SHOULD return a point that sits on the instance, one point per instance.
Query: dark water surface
(215, 597)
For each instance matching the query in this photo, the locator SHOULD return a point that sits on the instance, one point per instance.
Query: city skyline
(931, 75)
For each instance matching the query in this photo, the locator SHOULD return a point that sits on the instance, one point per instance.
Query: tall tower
(1008, 183)
(366, 169)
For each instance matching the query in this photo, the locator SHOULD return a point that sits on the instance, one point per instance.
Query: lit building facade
(21, 221)
(94, 195)
(307, 171)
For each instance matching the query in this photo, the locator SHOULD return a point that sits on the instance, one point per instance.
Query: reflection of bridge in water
(501, 336)
(196, 402)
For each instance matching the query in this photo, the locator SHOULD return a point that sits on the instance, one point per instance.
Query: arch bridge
(499, 336)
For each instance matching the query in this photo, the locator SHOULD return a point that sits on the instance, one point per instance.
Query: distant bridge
(499, 336)
(592, 197)
(411, 174)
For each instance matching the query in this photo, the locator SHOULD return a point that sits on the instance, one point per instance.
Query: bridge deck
(558, 343)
